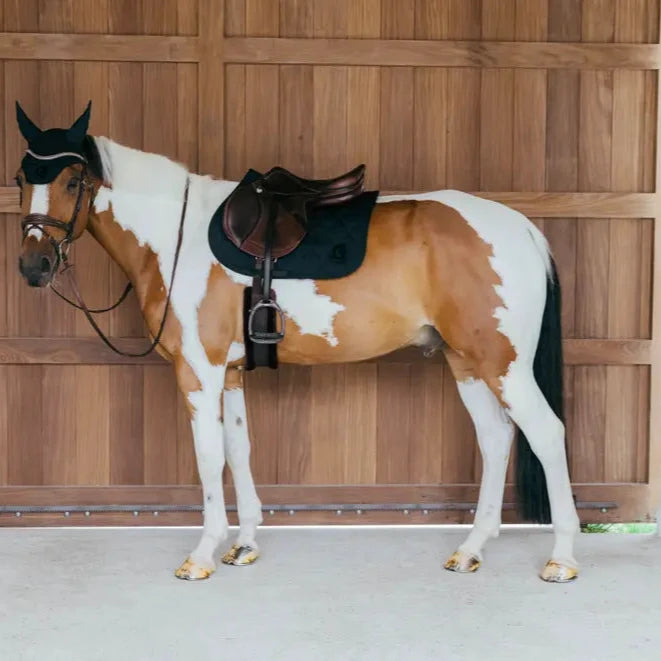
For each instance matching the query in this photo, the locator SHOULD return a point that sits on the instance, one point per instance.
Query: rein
(40, 221)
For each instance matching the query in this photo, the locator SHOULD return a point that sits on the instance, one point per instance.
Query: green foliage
(631, 528)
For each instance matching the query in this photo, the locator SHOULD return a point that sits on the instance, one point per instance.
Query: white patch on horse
(312, 312)
(39, 204)
(236, 352)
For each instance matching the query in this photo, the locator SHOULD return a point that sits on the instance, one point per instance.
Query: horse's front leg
(204, 408)
(237, 451)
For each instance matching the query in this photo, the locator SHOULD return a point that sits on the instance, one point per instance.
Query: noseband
(41, 221)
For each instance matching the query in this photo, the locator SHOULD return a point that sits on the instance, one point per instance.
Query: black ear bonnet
(49, 152)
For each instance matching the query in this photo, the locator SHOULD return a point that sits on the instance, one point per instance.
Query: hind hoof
(556, 572)
(463, 563)
(191, 571)
(240, 556)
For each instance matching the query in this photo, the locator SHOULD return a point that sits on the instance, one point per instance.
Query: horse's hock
(549, 107)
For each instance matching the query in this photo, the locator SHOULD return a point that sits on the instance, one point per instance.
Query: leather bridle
(61, 247)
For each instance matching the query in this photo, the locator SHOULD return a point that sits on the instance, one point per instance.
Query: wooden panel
(548, 106)
(109, 48)
(404, 52)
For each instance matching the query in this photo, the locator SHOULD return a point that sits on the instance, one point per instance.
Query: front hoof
(191, 571)
(463, 563)
(241, 555)
(556, 572)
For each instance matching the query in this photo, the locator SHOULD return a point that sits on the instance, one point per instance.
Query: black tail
(530, 480)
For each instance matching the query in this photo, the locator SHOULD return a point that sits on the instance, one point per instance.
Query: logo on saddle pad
(50, 151)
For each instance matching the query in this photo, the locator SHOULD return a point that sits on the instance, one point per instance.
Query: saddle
(268, 219)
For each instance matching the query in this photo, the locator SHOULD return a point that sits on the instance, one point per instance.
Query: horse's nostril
(45, 265)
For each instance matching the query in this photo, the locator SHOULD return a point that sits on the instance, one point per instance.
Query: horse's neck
(134, 227)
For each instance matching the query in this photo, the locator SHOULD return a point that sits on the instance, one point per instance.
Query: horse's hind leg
(545, 432)
(494, 431)
(237, 450)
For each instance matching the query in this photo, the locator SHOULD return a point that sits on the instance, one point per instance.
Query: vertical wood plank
(211, 88)
(126, 414)
(297, 118)
(59, 424)
(262, 18)
(235, 18)
(531, 20)
(328, 450)
(529, 131)
(463, 140)
(586, 447)
(160, 425)
(125, 17)
(364, 19)
(360, 424)
(592, 277)
(392, 424)
(397, 19)
(330, 120)
(426, 399)
(331, 18)
(295, 432)
(396, 121)
(4, 425)
(25, 425)
(159, 16)
(262, 119)
(430, 121)
(296, 18)
(92, 424)
(187, 115)
(363, 121)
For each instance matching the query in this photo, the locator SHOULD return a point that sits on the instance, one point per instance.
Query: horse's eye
(72, 186)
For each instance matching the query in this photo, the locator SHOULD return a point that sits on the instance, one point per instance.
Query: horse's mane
(125, 168)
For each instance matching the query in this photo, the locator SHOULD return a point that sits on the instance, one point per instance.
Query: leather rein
(61, 247)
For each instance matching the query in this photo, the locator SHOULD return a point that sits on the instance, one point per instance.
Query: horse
(443, 270)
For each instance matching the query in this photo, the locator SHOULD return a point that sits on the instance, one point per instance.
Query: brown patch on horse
(220, 316)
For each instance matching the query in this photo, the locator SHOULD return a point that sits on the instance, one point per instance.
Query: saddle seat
(268, 218)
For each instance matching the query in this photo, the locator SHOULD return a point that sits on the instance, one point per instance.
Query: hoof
(463, 563)
(191, 571)
(555, 572)
(240, 555)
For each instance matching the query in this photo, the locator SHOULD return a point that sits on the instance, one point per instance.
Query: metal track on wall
(357, 508)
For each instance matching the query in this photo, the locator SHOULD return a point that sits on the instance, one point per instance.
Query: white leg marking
(237, 450)
(209, 450)
(39, 204)
(546, 434)
(495, 432)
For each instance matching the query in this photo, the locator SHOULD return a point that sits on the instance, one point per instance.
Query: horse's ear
(78, 129)
(29, 130)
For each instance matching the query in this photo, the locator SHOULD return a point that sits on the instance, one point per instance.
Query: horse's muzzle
(36, 268)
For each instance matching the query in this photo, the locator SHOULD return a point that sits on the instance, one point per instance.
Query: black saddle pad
(333, 248)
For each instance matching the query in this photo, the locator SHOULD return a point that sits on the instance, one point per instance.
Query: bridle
(61, 247)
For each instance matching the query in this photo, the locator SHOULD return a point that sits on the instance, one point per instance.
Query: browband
(52, 157)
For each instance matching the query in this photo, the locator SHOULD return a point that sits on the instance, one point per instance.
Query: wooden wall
(548, 105)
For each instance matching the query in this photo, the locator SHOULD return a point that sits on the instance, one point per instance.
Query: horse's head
(57, 179)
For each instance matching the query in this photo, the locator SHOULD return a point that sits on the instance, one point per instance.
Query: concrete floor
(324, 594)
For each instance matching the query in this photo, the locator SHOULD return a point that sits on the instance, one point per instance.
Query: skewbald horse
(443, 270)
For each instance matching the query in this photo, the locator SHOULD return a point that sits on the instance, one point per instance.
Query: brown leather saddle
(268, 219)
